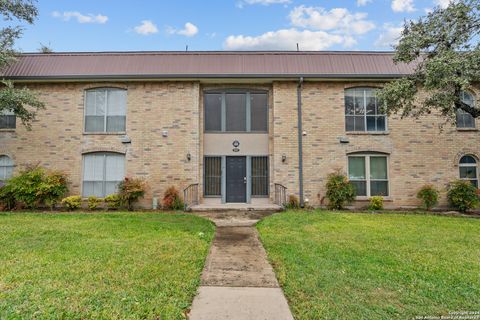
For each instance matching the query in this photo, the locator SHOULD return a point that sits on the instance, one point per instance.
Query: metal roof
(214, 64)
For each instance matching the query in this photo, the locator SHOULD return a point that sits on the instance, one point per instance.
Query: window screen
(102, 172)
(213, 176)
(105, 110)
(259, 176)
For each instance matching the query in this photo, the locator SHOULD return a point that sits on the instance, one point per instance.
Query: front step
(234, 208)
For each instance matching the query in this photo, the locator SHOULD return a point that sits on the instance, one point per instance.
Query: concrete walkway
(237, 281)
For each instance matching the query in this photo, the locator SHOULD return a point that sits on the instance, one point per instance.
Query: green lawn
(374, 266)
(100, 265)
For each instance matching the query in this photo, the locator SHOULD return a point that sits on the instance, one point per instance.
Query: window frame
(467, 165)
(104, 170)
(223, 116)
(365, 115)
(368, 180)
(105, 116)
(3, 168)
(460, 112)
(9, 113)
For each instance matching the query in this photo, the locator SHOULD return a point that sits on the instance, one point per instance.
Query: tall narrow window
(260, 176)
(8, 120)
(102, 172)
(362, 111)
(105, 110)
(235, 110)
(368, 174)
(213, 112)
(468, 169)
(465, 119)
(6, 168)
(213, 176)
(259, 112)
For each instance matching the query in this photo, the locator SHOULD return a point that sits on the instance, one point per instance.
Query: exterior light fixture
(189, 156)
(284, 157)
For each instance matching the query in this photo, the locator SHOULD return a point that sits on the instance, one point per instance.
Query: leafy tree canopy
(443, 46)
(22, 101)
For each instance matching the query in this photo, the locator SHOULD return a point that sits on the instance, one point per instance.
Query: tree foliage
(22, 101)
(444, 50)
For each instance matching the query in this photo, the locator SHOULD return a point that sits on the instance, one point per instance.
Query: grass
(374, 266)
(100, 266)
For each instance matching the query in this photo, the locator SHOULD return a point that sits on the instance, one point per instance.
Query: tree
(444, 50)
(21, 101)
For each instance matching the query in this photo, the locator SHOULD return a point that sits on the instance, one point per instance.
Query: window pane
(213, 176)
(356, 168)
(468, 159)
(378, 167)
(259, 112)
(349, 101)
(381, 123)
(235, 112)
(475, 183)
(117, 102)
(100, 102)
(465, 120)
(93, 167)
(360, 187)
(94, 123)
(93, 188)
(7, 121)
(5, 161)
(213, 112)
(350, 123)
(111, 187)
(359, 102)
(359, 123)
(371, 101)
(371, 123)
(114, 167)
(90, 102)
(116, 123)
(379, 188)
(468, 172)
(259, 176)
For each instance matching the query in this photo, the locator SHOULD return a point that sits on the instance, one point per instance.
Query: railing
(280, 195)
(190, 196)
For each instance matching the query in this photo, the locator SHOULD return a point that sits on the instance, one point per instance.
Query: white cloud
(81, 18)
(146, 27)
(389, 37)
(337, 19)
(442, 3)
(361, 3)
(189, 30)
(287, 39)
(241, 3)
(403, 6)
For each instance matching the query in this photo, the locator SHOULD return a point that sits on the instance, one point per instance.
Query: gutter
(300, 140)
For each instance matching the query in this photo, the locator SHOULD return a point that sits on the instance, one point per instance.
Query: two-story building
(238, 126)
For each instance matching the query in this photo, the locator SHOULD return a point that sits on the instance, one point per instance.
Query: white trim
(367, 180)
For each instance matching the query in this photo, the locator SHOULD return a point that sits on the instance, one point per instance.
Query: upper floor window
(6, 168)
(105, 110)
(236, 111)
(102, 172)
(362, 111)
(7, 119)
(465, 119)
(369, 174)
(468, 169)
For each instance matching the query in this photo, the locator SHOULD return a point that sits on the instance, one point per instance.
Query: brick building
(236, 125)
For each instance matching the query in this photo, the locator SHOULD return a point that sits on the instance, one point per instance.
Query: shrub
(429, 196)
(376, 203)
(462, 195)
(339, 191)
(93, 202)
(113, 201)
(130, 190)
(72, 202)
(171, 199)
(293, 202)
(7, 198)
(52, 188)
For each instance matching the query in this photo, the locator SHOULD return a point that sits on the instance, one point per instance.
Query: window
(213, 176)
(105, 110)
(259, 176)
(465, 119)
(8, 120)
(362, 111)
(369, 174)
(6, 168)
(236, 111)
(468, 169)
(102, 172)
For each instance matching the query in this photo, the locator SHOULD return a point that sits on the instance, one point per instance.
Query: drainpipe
(300, 140)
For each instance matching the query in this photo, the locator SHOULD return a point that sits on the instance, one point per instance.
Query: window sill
(235, 132)
(374, 133)
(467, 129)
(7, 130)
(364, 198)
(104, 133)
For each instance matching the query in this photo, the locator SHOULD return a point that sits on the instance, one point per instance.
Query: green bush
(376, 203)
(7, 198)
(339, 191)
(35, 186)
(293, 202)
(113, 201)
(72, 202)
(429, 196)
(93, 202)
(462, 195)
(171, 199)
(130, 190)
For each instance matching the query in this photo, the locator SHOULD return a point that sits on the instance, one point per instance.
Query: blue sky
(109, 25)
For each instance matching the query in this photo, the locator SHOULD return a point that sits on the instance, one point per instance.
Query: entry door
(236, 179)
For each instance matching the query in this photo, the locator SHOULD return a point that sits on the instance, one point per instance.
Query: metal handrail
(190, 196)
(280, 194)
